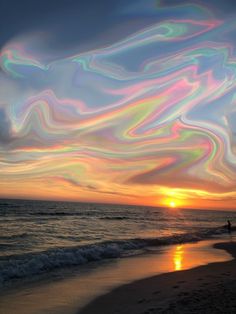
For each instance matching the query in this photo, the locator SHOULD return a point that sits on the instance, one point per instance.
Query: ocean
(38, 237)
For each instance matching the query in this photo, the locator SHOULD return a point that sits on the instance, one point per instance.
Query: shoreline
(205, 289)
(72, 291)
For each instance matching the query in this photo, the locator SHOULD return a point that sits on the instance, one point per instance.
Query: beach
(205, 289)
(161, 280)
(59, 257)
(117, 157)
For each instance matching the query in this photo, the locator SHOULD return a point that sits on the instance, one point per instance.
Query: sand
(69, 290)
(205, 289)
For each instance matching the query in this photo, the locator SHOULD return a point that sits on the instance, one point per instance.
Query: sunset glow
(127, 116)
(172, 204)
(117, 156)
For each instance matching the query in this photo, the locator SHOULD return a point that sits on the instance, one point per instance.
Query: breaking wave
(25, 265)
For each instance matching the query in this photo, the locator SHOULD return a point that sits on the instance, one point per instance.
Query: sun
(172, 204)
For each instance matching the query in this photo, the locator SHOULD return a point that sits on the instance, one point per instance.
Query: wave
(63, 213)
(97, 214)
(115, 218)
(14, 236)
(37, 263)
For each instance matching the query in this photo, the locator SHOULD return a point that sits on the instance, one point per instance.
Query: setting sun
(172, 204)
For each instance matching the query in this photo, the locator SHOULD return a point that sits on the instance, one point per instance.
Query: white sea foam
(26, 265)
(38, 236)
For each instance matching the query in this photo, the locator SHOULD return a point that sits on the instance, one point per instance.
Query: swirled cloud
(146, 115)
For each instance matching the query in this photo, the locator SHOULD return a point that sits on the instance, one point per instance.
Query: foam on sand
(26, 265)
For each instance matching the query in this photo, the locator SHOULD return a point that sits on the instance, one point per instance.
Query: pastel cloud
(154, 109)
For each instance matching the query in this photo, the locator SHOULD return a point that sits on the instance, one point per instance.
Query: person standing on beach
(229, 226)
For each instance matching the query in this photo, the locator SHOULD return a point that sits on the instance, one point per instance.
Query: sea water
(37, 237)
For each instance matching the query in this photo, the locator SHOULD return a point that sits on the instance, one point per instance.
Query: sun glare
(172, 204)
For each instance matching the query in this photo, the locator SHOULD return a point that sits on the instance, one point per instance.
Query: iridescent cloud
(149, 113)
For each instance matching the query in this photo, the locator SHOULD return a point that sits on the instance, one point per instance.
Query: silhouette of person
(229, 226)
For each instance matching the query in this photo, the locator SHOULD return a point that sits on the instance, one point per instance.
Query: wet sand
(69, 291)
(205, 289)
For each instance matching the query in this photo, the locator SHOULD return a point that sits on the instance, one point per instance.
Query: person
(229, 226)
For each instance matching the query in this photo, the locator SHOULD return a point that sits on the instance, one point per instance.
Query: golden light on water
(178, 257)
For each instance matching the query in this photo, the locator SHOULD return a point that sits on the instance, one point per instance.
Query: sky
(119, 101)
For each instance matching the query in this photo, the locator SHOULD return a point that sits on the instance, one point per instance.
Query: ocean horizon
(38, 237)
